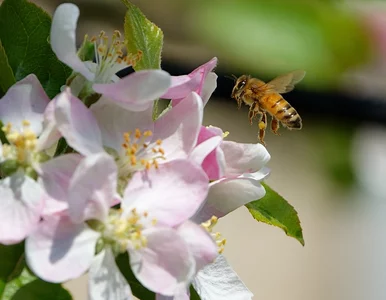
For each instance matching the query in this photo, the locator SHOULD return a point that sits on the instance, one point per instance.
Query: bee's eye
(241, 84)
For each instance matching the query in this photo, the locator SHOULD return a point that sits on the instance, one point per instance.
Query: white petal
(201, 151)
(218, 281)
(60, 250)
(210, 85)
(77, 124)
(114, 122)
(227, 195)
(50, 134)
(21, 203)
(243, 158)
(63, 38)
(106, 280)
(92, 188)
(25, 100)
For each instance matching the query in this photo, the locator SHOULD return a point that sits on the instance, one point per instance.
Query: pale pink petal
(181, 294)
(63, 38)
(165, 263)
(55, 175)
(200, 243)
(210, 85)
(114, 122)
(60, 250)
(243, 158)
(171, 194)
(226, 195)
(92, 188)
(179, 127)
(136, 91)
(183, 85)
(77, 124)
(194, 82)
(106, 280)
(21, 202)
(50, 133)
(220, 281)
(25, 100)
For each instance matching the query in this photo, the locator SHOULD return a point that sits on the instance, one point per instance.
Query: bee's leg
(239, 102)
(262, 126)
(253, 111)
(275, 125)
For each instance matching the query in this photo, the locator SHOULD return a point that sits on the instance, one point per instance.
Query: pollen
(124, 229)
(110, 56)
(140, 152)
(208, 226)
(22, 143)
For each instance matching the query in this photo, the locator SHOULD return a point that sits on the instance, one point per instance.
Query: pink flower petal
(243, 158)
(92, 188)
(63, 38)
(220, 281)
(136, 91)
(226, 195)
(77, 124)
(114, 122)
(55, 175)
(165, 264)
(50, 133)
(179, 128)
(183, 85)
(200, 243)
(60, 250)
(171, 194)
(25, 100)
(106, 280)
(21, 203)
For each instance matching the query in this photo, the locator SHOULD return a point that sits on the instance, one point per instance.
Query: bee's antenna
(233, 77)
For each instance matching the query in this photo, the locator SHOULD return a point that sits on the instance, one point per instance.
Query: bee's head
(239, 86)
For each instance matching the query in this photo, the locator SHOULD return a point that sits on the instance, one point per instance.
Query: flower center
(208, 226)
(123, 231)
(21, 145)
(110, 58)
(139, 152)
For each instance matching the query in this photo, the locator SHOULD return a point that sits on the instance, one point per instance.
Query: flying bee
(265, 97)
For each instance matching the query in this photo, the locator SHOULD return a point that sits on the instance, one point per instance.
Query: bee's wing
(285, 83)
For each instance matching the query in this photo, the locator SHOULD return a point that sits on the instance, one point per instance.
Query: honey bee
(265, 97)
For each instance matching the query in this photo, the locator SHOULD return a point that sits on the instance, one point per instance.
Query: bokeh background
(333, 171)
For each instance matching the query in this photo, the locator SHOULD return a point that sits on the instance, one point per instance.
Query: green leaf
(11, 257)
(41, 290)
(17, 283)
(24, 32)
(7, 79)
(274, 210)
(142, 35)
(137, 288)
(193, 294)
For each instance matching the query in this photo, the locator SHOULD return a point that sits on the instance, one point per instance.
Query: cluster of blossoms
(124, 182)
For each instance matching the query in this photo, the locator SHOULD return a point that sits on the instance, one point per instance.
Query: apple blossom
(154, 201)
(23, 113)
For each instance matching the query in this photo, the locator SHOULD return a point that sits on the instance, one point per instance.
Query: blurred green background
(333, 171)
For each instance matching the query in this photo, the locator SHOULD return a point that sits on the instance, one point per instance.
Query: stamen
(208, 226)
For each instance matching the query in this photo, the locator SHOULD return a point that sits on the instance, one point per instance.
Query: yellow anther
(102, 34)
(133, 160)
(148, 133)
(145, 214)
(26, 123)
(155, 163)
(154, 222)
(159, 142)
(161, 150)
(144, 146)
(225, 134)
(148, 165)
(93, 39)
(137, 133)
(117, 33)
